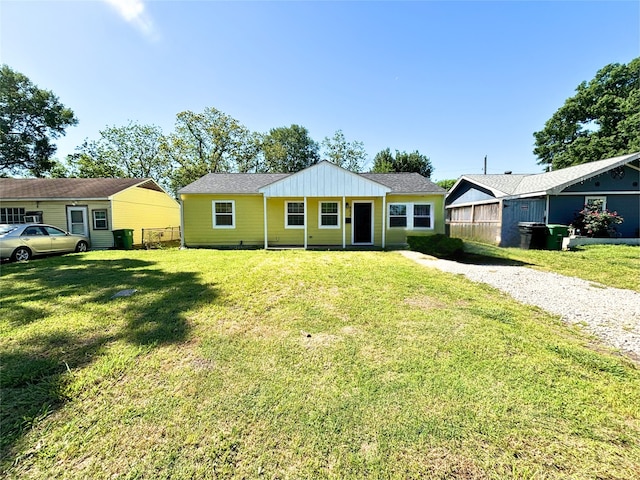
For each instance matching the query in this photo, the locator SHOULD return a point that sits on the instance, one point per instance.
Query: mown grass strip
(611, 265)
(298, 365)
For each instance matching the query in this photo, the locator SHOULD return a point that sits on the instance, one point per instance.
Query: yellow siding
(323, 236)
(377, 219)
(278, 234)
(137, 208)
(398, 236)
(55, 213)
(198, 221)
(249, 225)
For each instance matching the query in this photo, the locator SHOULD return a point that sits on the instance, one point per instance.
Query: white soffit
(324, 180)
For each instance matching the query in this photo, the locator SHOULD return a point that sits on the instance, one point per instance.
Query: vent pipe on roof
(508, 172)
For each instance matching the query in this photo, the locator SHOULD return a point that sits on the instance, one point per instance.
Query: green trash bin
(123, 239)
(556, 234)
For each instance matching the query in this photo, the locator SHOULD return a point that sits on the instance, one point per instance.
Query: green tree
(601, 120)
(446, 183)
(30, 118)
(89, 162)
(209, 142)
(289, 149)
(57, 170)
(349, 155)
(385, 162)
(133, 150)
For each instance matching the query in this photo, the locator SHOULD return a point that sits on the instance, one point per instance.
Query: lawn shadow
(31, 372)
(476, 259)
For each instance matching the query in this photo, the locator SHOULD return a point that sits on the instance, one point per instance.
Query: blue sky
(454, 80)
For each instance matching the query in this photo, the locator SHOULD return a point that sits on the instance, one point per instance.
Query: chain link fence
(160, 237)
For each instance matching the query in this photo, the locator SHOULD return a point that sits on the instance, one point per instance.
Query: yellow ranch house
(93, 207)
(321, 206)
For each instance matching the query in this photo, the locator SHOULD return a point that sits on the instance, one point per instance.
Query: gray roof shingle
(560, 179)
(405, 182)
(232, 182)
(549, 182)
(246, 183)
(69, 188)
(505, 184)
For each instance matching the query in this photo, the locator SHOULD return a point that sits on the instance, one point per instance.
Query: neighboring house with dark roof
(90, 206)
(488, 208)
(321, 206)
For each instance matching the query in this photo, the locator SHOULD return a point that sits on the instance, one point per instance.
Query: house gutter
(384, 220)
(266, 230)
(55, 199)
(528, 195)
(181, 224)
(470, 204)
(306, 232)
(546, 209)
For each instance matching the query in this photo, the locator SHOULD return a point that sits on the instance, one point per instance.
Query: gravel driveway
(612, 314)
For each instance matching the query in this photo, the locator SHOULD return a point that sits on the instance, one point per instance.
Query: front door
(78, 220)
(362, 223)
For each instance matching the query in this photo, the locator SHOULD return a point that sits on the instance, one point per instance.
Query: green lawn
(613, 265)
(294, 364)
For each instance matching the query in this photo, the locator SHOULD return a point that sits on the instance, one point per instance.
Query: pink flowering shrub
(594, 221)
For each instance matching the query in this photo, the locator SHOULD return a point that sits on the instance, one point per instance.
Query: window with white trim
(294, 215)
(224, 214)
(329, 213)
(11, 215)
(421, 215)
(411, 216)
(397, 215)
(588, 201)
(100, 220)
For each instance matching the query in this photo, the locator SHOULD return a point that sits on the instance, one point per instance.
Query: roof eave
(56, 199)
(479, 202)
(540, 193)
(417, 193)
(222, 193)
(624, 160)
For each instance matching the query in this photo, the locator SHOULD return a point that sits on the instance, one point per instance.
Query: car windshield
(4, 229)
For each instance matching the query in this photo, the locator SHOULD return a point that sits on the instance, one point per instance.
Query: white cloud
(133, 12)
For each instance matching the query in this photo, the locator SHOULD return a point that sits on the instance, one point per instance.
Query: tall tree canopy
(129, 151)
(386, 162)
(209, 142)
(30, 118)
(349, 155)
(601, 120)
(447, 183)
(289, 149)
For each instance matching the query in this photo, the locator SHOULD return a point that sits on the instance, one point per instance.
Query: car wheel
(21, 254)
(82, 246)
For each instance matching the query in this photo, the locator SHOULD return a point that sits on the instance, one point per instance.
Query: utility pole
(485, 164)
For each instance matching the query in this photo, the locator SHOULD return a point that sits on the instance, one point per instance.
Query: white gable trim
(617, 162)
(496, 192)
(324, 179)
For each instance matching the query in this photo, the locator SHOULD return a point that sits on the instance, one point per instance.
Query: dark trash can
(533, 236)
(123, 239)
(556, 234)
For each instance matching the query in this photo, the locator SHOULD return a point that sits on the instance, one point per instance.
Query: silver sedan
(23, 241)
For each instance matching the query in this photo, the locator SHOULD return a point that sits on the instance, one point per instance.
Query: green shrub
(438, 245)
(594, 221)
